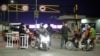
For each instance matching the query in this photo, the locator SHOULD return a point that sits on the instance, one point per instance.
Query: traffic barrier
(24, 41)
(9, 39)
(14, 36)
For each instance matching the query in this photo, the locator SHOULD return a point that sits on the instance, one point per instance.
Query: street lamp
(36, 13)
(3, 8)
(12, 1)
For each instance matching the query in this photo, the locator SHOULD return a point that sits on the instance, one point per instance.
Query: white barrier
(24, 41)
(9, 39)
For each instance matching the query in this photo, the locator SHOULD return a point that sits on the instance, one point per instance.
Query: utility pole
(76, 16)
(36, 14)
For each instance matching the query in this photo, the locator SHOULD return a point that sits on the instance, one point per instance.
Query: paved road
(54, 51)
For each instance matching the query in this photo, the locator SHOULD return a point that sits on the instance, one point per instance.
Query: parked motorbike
(32, 40)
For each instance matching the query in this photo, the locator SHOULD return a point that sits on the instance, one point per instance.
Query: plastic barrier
(24, 41)
(9, 39)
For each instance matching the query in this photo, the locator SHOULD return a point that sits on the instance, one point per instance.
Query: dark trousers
(75, 43)
(64, 39)
(85, 41)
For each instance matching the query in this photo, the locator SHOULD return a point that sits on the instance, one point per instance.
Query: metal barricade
(9, 39)
(24, 40)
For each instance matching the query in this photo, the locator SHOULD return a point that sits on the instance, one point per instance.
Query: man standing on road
(64, 32)
(50, 30)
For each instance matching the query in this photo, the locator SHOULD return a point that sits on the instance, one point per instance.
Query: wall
(2, 27)
(98, 26)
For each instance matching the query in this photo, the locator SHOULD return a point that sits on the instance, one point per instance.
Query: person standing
(50, 30)
(87, 35)
(92, 35)
(64, 33)
(21, 28)
(21, 32)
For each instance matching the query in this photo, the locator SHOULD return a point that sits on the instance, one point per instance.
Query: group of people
(88, 32)
(24, 29)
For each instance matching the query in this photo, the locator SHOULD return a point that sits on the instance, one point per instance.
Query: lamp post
(76, 16)
(13, 2)
(36, 14)
(36, 10)
(3, 8)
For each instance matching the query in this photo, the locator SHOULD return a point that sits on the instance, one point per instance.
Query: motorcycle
(33, 40)
(44, 41)
(87, 47)
(71, 45)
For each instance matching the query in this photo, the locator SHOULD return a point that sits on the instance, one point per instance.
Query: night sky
(86, 7)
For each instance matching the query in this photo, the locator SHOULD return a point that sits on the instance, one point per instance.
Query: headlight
(44, 38)
(48, 38)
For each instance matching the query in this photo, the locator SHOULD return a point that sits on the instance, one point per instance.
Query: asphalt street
(53, 51)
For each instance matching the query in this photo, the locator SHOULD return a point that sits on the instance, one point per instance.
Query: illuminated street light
(12, 1)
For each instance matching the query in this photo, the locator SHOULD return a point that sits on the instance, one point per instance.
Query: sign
(4, 7)
(18, 7)
(25, 7)
(42, 8)
(36, 14)
(49, 8)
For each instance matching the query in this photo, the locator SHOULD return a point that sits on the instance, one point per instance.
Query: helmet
(84, 29)
(41, 24)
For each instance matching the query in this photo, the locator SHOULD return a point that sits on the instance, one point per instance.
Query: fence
(24, 41)
(9, 39)
(14, 37)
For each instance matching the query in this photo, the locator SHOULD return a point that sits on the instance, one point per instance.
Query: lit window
(31, 26)
(59, 26)
(53, 26)
(84, 21)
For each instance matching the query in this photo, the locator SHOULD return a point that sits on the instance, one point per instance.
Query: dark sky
(86, 7)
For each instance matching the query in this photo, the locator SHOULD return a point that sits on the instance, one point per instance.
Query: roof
(63, 17)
